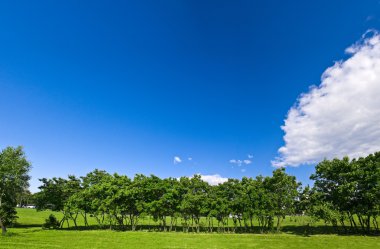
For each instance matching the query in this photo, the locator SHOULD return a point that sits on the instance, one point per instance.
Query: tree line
(345, 194)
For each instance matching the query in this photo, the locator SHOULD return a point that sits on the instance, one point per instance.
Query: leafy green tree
(90, 199)
(194, 200)
(164, 200)
(367, 190)
(348, 191)
(232, 192)
(283, 190)
(14, 169)
(55, 193)
(218, 206)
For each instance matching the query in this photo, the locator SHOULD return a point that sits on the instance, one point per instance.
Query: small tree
(51, 222)
(14, 169)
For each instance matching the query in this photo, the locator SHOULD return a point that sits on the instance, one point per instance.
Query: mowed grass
(30, 235)
(37, 238)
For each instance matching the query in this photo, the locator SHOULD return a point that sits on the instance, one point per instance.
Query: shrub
(51, 222)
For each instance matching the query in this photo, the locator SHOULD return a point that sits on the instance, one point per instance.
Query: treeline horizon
(345, 195)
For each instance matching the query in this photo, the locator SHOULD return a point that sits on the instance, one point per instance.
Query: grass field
(28, 234)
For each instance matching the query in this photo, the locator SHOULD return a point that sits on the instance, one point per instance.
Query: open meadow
(29, 234)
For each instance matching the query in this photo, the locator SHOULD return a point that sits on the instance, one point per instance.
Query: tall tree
(14, 169)
(194, 201)
(284, 190)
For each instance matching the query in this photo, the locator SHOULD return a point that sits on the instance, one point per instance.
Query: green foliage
(51, 222)
(14, 169)
(116, 201)
(348, 192)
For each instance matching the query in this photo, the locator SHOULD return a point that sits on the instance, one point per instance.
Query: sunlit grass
(29, 234)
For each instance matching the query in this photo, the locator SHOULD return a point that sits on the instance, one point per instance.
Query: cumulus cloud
(213, 179)
(247, 161)
(341, 116)
(177, 160)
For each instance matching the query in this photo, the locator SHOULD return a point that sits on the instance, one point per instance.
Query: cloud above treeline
(341, 116)
(177, 159)
(213, 179)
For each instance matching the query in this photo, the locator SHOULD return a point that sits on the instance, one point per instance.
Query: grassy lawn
(30, 235)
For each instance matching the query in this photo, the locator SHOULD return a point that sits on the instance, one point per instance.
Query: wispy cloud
(239, 162)
(250, 156)
(177, 160)
(342, 115)
(370, 18)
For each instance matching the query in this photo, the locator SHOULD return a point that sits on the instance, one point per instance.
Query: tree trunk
(278, 223)
(85, 219)
(375, 224)
(3, 228)
(61, 222)
(164, 223)
(368, 224)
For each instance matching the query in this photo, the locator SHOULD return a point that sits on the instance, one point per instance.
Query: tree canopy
(14, 169)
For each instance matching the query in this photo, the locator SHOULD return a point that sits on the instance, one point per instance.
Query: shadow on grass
(18, 225)
(303, 230)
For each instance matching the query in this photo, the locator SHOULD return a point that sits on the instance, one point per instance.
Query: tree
(194, 200)
(14, 169)
(284, 190)
(55, 194)
(350, 190)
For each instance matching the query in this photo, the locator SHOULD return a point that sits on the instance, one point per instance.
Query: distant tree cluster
(118, 201)
(346, 194)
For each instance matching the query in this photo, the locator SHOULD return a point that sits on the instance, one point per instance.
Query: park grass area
(29, 234)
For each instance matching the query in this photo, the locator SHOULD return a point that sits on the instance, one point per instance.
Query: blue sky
(126, 86)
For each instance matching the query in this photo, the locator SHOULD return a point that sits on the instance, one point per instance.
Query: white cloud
(342, 115)
(213, 179)
(242, 170)
(190, 158)
(240, 162)
(177, 160)
(237, 162)
(250, 156)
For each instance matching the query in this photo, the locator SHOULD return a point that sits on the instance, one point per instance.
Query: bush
(51, 222)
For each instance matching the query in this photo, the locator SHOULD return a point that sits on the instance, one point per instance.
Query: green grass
(28, 234)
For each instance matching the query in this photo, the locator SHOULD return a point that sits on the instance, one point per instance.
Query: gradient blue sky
(126, 86)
